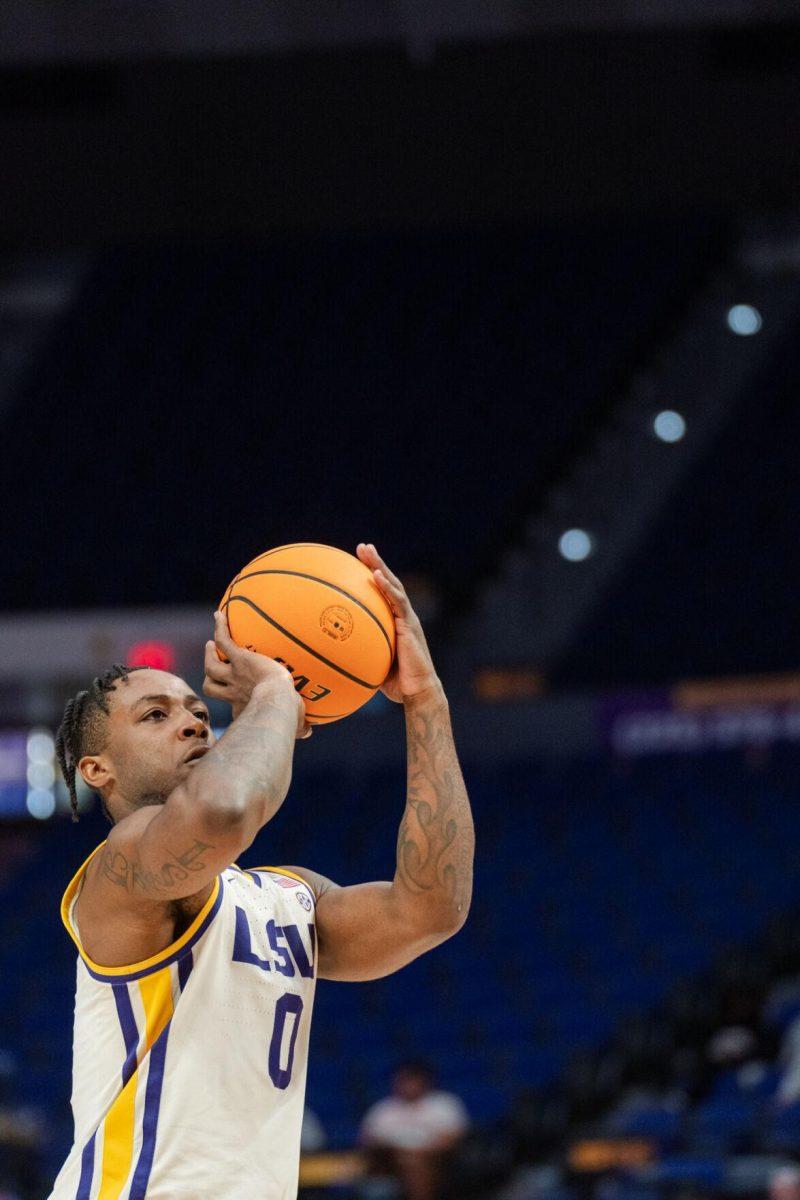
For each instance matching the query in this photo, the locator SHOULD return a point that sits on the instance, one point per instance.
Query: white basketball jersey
(189, 1069)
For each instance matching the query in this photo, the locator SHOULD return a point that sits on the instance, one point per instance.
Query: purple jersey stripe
(87, 1170)
(129, 1030)
(152, 1103)
(254, 878)
(185, 965)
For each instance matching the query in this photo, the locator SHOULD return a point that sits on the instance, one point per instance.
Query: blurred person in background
(313, 1140)
(313, 1137)
(784, 1184)
(23, 1138)
(409, 1134)
(789, 1059)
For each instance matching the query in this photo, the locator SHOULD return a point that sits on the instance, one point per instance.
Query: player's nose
(193, 727)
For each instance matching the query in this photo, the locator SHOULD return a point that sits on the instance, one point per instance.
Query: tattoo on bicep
(115, 867)
(189, 857)
(128, 873)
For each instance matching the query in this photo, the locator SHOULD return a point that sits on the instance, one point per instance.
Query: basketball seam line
(267, 553)
(354, 678)
(325, 583)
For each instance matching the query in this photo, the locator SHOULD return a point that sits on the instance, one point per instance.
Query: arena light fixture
(41, 776)
(744, 320)
(669, 426)
(160, 656)
(575, 545)
(40, 746)
(40, 803)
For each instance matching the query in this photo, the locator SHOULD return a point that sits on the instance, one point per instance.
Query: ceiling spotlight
(40, 746)
(41, 776)
(744, 320)
(669, 426)
(41, 804)
(575, 545)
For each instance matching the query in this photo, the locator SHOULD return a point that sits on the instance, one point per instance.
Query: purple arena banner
(13, 773)
(697, 717)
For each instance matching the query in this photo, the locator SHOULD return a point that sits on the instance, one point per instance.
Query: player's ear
(95, 771)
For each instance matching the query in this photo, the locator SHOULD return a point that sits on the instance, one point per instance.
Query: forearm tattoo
(254, 758)
(436, 842)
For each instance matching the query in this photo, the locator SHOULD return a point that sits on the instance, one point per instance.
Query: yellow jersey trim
(147, 964)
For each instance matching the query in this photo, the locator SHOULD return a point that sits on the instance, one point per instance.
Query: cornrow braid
(80, 732)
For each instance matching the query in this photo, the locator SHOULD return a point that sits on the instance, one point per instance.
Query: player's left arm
(372, 929)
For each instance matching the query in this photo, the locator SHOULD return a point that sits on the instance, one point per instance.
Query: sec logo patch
(304, 901)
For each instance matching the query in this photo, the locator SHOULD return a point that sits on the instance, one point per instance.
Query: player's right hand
(234, 677)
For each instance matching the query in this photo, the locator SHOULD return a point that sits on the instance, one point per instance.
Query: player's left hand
(412, 672)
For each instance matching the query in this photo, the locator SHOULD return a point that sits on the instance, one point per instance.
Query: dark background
(559, 125)
(431, 292)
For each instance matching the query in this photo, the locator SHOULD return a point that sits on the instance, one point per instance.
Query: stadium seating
(711, 608)
(325, 390)
(595, 885)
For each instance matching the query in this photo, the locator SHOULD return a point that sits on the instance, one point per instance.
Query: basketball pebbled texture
(318, 610)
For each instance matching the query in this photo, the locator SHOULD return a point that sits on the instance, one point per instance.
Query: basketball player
(195, 978)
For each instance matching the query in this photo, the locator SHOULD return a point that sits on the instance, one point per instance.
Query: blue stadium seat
(286, 338)
(706, 1174)
(725, 1123)
(503, 1006)
(662, 1124)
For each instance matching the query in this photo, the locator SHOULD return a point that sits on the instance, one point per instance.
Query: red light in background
(158, 655)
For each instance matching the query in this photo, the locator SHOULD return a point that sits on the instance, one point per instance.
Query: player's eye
(202, 715)
(154, 712)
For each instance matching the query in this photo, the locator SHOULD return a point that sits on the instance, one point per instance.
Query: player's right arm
(162, 853)
(166, 852)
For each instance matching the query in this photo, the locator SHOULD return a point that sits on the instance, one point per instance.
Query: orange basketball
(318, 610)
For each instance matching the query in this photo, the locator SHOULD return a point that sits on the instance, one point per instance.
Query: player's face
(158, 730)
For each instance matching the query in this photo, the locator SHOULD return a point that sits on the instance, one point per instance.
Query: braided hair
(81, 730)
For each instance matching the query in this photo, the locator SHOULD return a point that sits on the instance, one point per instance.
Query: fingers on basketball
(394, 593)
(216, 670)
(222, 637)
(387, 581)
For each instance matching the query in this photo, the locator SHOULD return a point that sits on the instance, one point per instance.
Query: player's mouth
(196, 754)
